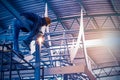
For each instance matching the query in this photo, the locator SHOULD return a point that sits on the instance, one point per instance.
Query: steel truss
(8, 64)
(62, 57)
(100, 73)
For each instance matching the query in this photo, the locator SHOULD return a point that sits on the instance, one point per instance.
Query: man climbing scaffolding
(31, 23)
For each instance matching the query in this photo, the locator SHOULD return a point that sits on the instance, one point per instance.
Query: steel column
(10, 8)
(18, 72)
(10, 74)
(37, 62)
(1, 65)
(65, 77)
(14, 12)
(42, 73)
(15, 53)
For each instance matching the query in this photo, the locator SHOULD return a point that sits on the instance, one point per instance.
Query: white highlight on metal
(84, 44)
(47, 28)
(46, 10)
(80, 37)
(89, 43)
(74, 49)
(51, 51)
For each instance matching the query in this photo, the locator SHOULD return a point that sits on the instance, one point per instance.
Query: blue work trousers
(25, 26)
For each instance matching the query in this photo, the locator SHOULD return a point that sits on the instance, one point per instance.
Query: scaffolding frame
(63, 61)
(7, 51)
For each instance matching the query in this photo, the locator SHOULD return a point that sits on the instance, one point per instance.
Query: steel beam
(65, 77)
(56, 70)
(104, 21)
(10, 9)
(14, 12)
(51, 8)
(1, 64)
(18, 72)
(113, 22)
(95, 23)
(10, 70)
(85, 16)
(113, 5)
(82, 5)
(37, 63)
(57, 33)
(14, 52)
(107, 71)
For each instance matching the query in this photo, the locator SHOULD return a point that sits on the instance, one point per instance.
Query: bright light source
(94, 43)
(40, 39)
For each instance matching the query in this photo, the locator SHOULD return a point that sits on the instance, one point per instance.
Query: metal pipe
(37, 62)
(86, 16)
(57, 33)
(18, 72)
(65, 76)
(83, 40)
(19, 56)
(10, 66)
(42, 73)
(2, 64)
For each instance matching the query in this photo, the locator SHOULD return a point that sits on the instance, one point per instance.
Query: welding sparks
(40, 39)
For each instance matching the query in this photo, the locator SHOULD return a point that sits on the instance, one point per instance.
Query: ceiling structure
(101, 19)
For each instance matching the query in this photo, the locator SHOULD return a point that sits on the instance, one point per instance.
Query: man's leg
(29, 38)
(16, 31)
(16, 35)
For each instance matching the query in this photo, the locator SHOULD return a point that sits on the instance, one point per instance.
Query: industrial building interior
(82, 41)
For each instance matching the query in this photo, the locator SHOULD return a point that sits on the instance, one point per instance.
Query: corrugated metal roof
(100, 16)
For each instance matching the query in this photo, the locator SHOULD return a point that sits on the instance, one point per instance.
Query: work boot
(26, 44)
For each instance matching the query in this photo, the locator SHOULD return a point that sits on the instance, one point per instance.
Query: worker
(30, 23)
